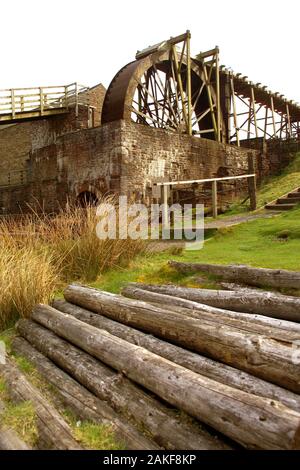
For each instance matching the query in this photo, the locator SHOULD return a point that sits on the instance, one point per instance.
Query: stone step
(280, 207)
(288, 200)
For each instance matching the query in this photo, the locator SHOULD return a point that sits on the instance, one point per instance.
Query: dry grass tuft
(39, 254)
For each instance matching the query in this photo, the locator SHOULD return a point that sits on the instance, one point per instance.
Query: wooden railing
(160, 191)
(23, 103)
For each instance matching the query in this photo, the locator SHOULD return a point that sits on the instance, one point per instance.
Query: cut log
(125, 397)
(181, 300)
(265, 303)
(9, 440)
(83, 403)
(53, 431)
(269, 359)
(254, 421)
(259, 277)
(200, 364)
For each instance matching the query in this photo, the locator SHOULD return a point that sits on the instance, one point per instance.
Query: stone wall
(17, 141)
(153, 155)
(275, 154)
(118, 157)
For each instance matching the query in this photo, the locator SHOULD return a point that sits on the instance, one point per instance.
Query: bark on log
(254, 421)
(9, 440)
(259, 277)
(269, 359)
(54, 432)
(185, 302)
(265, 303)
(200, 364)
(124, 396)
(83, 403)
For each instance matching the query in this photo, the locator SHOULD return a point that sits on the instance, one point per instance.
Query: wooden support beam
(273, 115)
(254, 111)
(189, 83)
(179, 81)
(288, 120)
(210, 100)
(218, 104)
(234, 112)
(266, 123)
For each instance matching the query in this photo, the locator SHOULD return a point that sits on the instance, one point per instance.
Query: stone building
(96, 148)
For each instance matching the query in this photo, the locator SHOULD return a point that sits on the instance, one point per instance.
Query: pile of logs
(168, 368)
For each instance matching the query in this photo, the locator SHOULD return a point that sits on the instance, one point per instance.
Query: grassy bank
(272, 188)
(271, 243)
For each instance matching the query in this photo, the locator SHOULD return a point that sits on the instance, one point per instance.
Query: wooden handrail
(207, 180)
(18, 103)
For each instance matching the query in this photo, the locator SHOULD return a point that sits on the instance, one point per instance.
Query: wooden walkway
(19, 104)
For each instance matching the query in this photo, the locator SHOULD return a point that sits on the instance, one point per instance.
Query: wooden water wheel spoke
(165, 88)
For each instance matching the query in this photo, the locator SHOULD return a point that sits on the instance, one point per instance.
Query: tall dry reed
(39, 254)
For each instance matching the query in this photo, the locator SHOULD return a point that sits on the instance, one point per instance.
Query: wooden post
(210, 100)
(76, 99)
(273, 116)
(266, 123)
(249, 119)
(41, 101)
(66, 97)
(234, 113)
(189, 86)
(218, 95)
(13, 109)
(214, 199)
(288, 120)
(165, 215)
(251, 182)
(254, 111)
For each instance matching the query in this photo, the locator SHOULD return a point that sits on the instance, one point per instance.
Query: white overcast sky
(57, 42)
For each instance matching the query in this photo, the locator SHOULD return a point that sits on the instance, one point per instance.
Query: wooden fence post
(214, 199)
(165, 215)
(251, 182)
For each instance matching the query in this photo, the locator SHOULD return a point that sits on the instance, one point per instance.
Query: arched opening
(87, 198)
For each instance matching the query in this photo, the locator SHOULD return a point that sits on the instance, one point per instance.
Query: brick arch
(88, 193)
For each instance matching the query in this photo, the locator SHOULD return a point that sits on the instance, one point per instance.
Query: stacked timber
(53, 431)
(170, 371)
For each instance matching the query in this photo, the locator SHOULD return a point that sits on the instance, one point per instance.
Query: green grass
(271, 189)
(270, 243)
(92, 435)
(21, 418)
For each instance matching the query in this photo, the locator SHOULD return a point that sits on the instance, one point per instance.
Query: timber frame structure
(255, 112)
(167, 88)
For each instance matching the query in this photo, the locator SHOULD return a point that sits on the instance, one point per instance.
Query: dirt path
(162, 245)
(236, 219)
